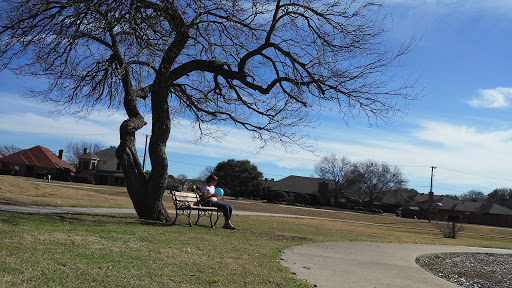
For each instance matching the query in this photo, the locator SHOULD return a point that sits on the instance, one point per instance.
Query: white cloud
(85, 129)
(493, 98)
(483, 155)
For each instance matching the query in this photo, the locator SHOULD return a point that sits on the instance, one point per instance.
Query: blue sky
(462, 124)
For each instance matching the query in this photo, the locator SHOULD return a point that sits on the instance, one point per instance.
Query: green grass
(123, 251)
(87, 251)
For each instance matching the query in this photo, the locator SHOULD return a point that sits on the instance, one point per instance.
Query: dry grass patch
(25, 191)
(30, 191)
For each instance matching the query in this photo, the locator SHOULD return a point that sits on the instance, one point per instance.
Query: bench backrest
(184, 199)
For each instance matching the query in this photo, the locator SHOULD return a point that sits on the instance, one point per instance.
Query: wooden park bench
(186, 202)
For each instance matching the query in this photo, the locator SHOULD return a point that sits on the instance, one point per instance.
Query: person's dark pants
(225, 208)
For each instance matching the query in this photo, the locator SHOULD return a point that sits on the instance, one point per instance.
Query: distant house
(293, 185)
(102, 166)
(460, 207)
(397, 199)
(38, 162)
(470, 212)
(185, 185)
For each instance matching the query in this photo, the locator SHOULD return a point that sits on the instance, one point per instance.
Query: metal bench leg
(198, 215)
(216, 220)
(211, 220)
(188, 213)
(175, 218)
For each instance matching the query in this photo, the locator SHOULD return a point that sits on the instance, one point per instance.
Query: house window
(93, 165)
(118, 167)
(291, 195)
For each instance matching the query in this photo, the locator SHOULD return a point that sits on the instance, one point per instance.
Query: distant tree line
(500, 196)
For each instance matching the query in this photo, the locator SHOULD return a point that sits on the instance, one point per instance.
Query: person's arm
(206, 197)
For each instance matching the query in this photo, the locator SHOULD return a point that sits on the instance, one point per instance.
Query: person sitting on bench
(208, 194)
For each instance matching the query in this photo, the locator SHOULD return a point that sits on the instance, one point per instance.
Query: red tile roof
(38, 156)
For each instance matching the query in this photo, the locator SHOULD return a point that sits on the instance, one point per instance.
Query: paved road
(336, 264)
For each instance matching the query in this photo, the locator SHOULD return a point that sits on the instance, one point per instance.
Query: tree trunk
(146, 193)
(146, 201)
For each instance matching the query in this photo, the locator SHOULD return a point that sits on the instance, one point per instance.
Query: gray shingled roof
(89, 155)
(298, 184)
(471, 207)
(106, 154)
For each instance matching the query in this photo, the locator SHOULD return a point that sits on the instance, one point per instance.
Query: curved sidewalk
(363, 264)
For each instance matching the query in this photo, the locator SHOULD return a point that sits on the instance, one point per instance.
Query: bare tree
(207, 171)
(181, 177)
(374, 179)
(76, 149)
(501, 196)
(449, 229)
(336, 169)
(473, 196)
(9, 149)
(265, 66)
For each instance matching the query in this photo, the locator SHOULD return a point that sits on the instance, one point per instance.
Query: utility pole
(431, 194)
(145, 148)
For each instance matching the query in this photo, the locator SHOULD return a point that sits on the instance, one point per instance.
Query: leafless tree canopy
(375, 179)
(9, 149)
(266, 66)
(74, 150)
(334, 168)
(473, 196)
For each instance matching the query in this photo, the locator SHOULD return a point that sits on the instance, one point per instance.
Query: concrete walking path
(364, 264)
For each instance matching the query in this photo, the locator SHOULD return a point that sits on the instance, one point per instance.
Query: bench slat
(189, 199)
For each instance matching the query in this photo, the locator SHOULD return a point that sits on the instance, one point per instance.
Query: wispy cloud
(451, 147)
(493, 98)
(67, 127)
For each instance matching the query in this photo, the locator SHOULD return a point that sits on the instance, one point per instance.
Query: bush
(82, 179)
(303, 199)
(375, 210)
(279, 196)
(315, 199)
(448, 229)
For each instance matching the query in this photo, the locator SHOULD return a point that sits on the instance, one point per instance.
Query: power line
(469, 173)
(254, 154)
